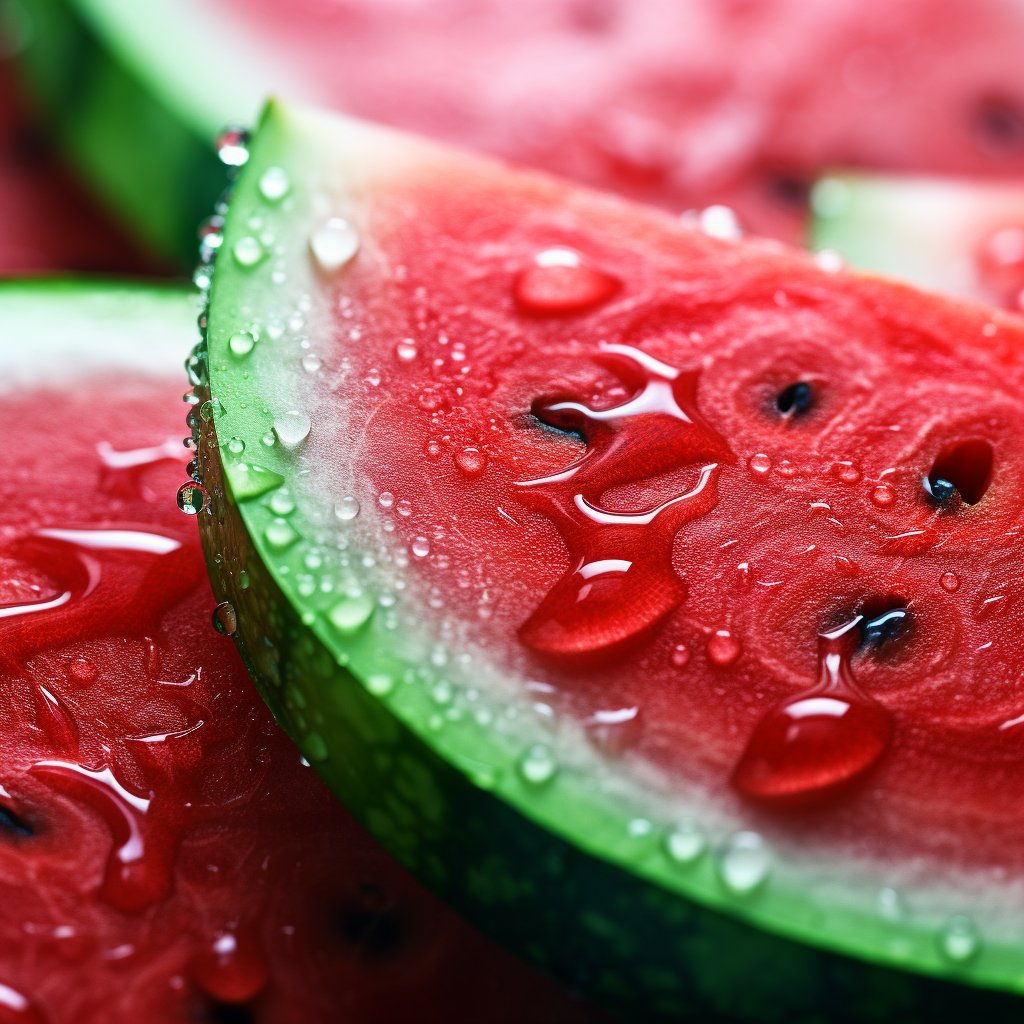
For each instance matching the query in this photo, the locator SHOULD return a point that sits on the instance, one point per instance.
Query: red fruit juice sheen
(164, 853)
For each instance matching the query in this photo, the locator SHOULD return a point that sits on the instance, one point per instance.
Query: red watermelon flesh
(754, 524)
(677, 104)
(164, 854)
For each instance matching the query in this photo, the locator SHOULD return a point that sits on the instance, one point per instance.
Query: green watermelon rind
(553, 870)
(131, 128)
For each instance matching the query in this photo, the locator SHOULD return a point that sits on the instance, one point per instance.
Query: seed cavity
(963, 468)
(12, 824)
(795, 400)
(885, 621)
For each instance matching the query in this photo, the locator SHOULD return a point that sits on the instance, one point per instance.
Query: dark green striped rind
(152, 166)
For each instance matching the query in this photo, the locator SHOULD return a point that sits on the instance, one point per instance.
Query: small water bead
(334, 244)
(373, 378)
(406, 350)
(224, 619)
(891, 905)
(760, 464)
(281, 503)
(385, 499)
(847, 473)
(470, 462)
(311, 362)
(723, 648)
(292, 428)
(232, 146)
(959, 940)
(830, 260)
(279, 534)
(404, 507)
(248, 251)
(745, 863)
(274, 184)
(950, 582)
(685, 843)
(720, 222)
(538, 765)
(82, 672)
(232, 969)
(235, 445)
(883, 495)
(680, 656)
(347, 508)
(379, 685)
(420, 547)
(559, 280)
(249, 480)
(351, 613)
(211, 409)
(433, 451)
(244, 582)
(192, 498)
(241, 343)
(190, 443)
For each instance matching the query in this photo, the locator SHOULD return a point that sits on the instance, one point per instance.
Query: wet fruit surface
(164, 854)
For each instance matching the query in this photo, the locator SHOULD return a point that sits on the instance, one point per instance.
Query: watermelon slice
(678, 104)
(164, 855)
(961, 236)
(651, 596)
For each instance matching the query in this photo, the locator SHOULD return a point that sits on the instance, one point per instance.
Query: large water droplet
(224, 619)
(685, 843)
(248, 251)
(470, 462)
(81, 672)
(334, 244)
(279, 534)
(538, 765)
(723, 647)
(959, 939)
(351, 613)
(231, 969)
(274, 184)
(232, 146)
(192, 498)
(248, 480)
(241, 343)
(560, 280)
(347, 508)
(292, 428)
(420, 547)
(745, 863)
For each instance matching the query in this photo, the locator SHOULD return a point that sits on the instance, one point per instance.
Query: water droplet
(538, 765)
(560, 280)
(248, 251)
(615, 730)
(347, 509)
(470, 462)
(232, 968)
(680, 656)
(351, 613)
(386, 499)
(235, 445)
(891, 905)
(379, 685)
(232, 146)
(720, 222)
(281, 503)
(420, 547)
(760, 464)
(950, 582)
(959, 939)
(745, 863)
(241, 343)
(82, 672)
(274, 184)
(846, 472)
(404, 508)
(243, 580)
(279, 534)
(723, 648)
(830, 260)
(224, 619)
(811, 744)
(685, 843)
(210, 410)
(192, 498)
(292, 428)
(334, 244)
(884, 495)
(248, 480)
(406, 350)
(311, 362)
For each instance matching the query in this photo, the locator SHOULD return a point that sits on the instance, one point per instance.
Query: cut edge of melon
(450, 802)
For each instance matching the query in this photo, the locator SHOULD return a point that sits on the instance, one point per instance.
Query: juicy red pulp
(164, 855)
(657, 522)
